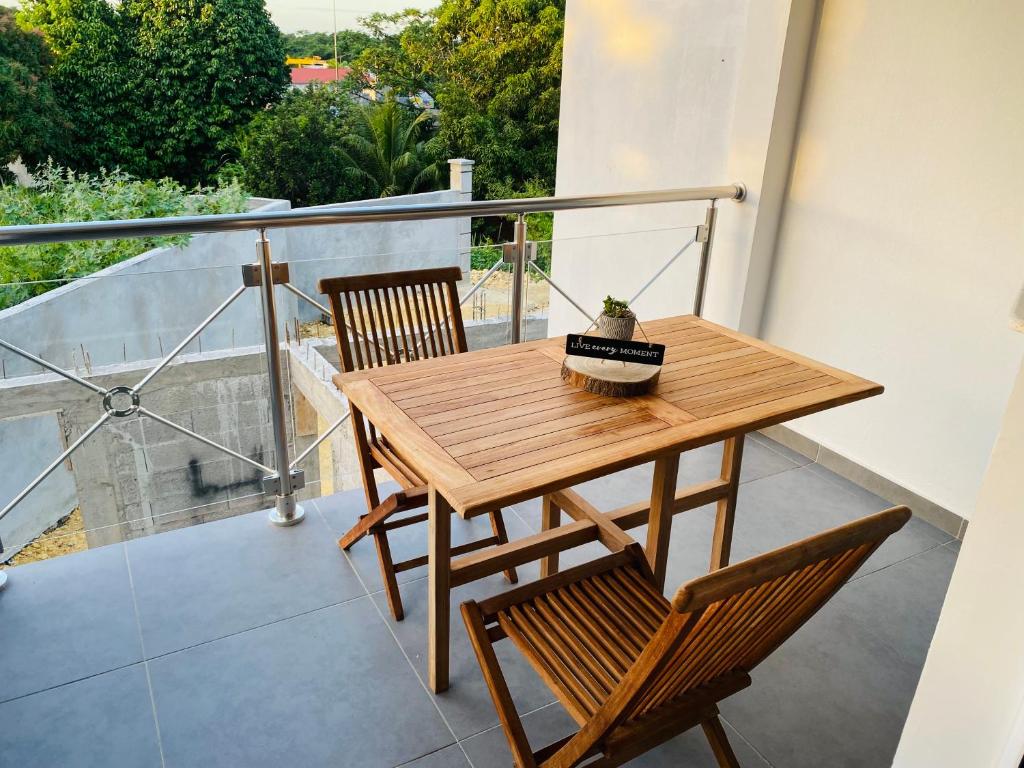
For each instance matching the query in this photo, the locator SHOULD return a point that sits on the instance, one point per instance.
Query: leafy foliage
(388, 148)
(62, 195)
(616, 308)
(159, 87)
(494, 70)
(297, 149)
(303, 44)
(30, 118)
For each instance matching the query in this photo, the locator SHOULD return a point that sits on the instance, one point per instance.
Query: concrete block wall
(135, 476)
(141, 308)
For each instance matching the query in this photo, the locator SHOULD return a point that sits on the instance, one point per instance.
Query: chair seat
(583, 637)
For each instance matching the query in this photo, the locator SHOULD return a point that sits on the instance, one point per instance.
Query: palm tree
(388, 147)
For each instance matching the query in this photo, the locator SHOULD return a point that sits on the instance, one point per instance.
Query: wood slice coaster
(609, 377)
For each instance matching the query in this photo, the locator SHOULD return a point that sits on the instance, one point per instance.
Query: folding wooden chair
(385, 319)
(634, 669)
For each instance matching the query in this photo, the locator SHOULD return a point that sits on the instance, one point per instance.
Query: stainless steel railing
(285, 479)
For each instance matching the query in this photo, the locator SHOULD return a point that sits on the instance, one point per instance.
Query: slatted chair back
(393, 317)
(724, 624)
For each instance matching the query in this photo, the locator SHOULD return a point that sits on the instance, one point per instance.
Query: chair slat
(635, 670)
(590, 627)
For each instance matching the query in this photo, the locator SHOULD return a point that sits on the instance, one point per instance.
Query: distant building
(303, 76)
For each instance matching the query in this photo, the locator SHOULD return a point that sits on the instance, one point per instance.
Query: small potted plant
(617, 321)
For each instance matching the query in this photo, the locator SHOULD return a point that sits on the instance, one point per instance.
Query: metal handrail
(285, 479)
(33, 234)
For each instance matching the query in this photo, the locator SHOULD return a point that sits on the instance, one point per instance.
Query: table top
(496, 426)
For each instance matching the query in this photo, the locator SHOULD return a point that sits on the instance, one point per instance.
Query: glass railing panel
(141, 392)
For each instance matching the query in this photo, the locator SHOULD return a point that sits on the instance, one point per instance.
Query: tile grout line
(898, 562)
(145, 660)
(522, 715)
(762, 441)
(747, 741)
(384, 621)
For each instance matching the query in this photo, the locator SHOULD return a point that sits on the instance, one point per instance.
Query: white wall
(900, 248)
(647, 98)
(969, 705)
(676, 93)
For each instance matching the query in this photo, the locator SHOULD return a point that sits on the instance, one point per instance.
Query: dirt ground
(65, 537)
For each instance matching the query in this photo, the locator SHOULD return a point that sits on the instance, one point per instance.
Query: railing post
(518, 278)
(706, 237)
(286, 482)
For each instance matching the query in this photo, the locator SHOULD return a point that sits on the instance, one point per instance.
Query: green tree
(90, 52)
(297, 149)
(494, 70)
(160, 87)
(351, 43)
(31, 123)
(388, 147)
(205, 68)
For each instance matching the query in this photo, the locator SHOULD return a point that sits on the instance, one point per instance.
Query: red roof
(307, 75)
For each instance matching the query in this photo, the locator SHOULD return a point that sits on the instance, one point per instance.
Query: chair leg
(387, 572)
(498, 526)
(719, 742)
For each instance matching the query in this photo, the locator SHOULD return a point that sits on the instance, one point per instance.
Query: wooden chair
(634, 669)
(385, 319)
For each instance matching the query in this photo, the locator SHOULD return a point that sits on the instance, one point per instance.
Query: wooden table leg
(439, 547)
(721, 544)
(550, 517)
(659, 525)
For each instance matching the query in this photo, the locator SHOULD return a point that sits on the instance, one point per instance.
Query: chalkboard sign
(613, 349)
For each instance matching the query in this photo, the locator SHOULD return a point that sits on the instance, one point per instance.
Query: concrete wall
(898, 255)
(140, 308)
(30, 444)
(136, 476)
(330, 251)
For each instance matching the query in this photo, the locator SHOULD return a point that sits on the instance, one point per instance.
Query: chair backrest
(392, 317)
(727, 622)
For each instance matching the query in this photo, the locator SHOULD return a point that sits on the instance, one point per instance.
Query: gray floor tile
(208, 581)
(837, 692)
(696, 466)
(328, 688)
(102, 722)
(490, 749)
(466, 704)
(784, 508)
(954, 545)
(342, 510)
(66, 619)
(449, 757)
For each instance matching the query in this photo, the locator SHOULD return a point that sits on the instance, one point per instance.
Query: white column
(461, 180)
(969, 706)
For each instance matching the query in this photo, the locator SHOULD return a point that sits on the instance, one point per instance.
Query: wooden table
(498, 426)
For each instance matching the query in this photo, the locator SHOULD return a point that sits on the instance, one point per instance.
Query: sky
(317, 16)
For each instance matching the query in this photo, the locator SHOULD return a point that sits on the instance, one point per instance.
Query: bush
(61, 195)
(296, 150)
